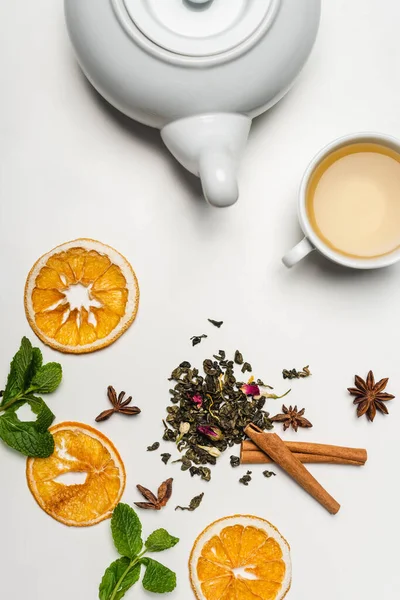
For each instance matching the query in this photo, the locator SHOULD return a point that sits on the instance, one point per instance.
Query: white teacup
(312, 241)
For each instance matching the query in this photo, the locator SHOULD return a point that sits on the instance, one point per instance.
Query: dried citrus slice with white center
(240, 558)
(84, 450)
(81, 296)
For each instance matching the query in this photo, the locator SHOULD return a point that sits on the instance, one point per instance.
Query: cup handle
(297, 253)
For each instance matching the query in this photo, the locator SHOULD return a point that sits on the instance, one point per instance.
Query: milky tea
(353, 200)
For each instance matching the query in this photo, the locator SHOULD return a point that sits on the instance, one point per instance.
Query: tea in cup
(349, 203)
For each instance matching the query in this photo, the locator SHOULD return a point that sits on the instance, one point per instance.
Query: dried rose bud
(251, 389)
(198, 400)
(211, 431)
(211, 450)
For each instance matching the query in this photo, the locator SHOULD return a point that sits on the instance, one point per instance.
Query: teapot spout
(210, 146)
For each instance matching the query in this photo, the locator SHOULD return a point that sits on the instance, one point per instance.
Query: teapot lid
(200, 28)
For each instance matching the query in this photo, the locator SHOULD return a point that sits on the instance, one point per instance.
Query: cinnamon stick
(257, 457)
(353, 454)
(274, 447)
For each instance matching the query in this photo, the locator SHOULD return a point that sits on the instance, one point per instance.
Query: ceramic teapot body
(199, 71)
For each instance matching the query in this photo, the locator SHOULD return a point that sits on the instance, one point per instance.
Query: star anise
(291, 417)
(370, 396)
(119, 405)
(155, 502)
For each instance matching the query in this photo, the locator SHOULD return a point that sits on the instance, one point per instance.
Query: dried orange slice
(240, 558)
(81, 296)
(78, 449)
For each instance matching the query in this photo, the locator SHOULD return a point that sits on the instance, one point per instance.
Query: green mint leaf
(24, 437)
(44, 415)
(160, 540)
(19, 371)
(126, 530)
(118, 578)
(36, 363)
(47, 378)
(157, 578)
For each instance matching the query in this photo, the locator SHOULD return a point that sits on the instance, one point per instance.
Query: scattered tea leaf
(293, 374)
(196, 339)
(268, 474)
(186, 463)
(204, 472)
(246, 478)
(193, 504)
(216, 323)
(238, 358)
(153, 447)
(169, 434)
(165, 457)
(235, 461)
(247, 368)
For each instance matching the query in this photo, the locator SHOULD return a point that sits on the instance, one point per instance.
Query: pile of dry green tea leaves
(210, 411)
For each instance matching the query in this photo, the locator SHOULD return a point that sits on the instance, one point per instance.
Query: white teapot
(199, 70)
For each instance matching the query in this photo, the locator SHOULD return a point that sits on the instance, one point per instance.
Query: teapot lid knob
(200, 28)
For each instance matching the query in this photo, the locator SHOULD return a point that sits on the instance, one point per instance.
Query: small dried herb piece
(153, 447)
(204, 472)
(196, 339)
(293, 374)
(164, 493)
(246, 478)
(253, 389)
(235, 461)
(193, 504)
(186, 463)
(268, 474)
(169, 434)
(238, 358)
(216, 323)
(119, 405)
(165, 457)
(246, 367)
(291, 417)
(369, 396)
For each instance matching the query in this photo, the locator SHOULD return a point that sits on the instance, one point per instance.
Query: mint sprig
(123, 573)
(28, 377)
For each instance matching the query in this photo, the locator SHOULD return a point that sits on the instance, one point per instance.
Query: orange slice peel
(240, 558)
(106, 279)
(79, 448)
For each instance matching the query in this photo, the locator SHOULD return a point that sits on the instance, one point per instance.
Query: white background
(72, 167)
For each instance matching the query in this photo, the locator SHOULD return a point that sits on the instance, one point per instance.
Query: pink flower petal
(250, 389)
(198, 400)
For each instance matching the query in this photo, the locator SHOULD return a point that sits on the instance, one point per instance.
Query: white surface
(71, 167)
